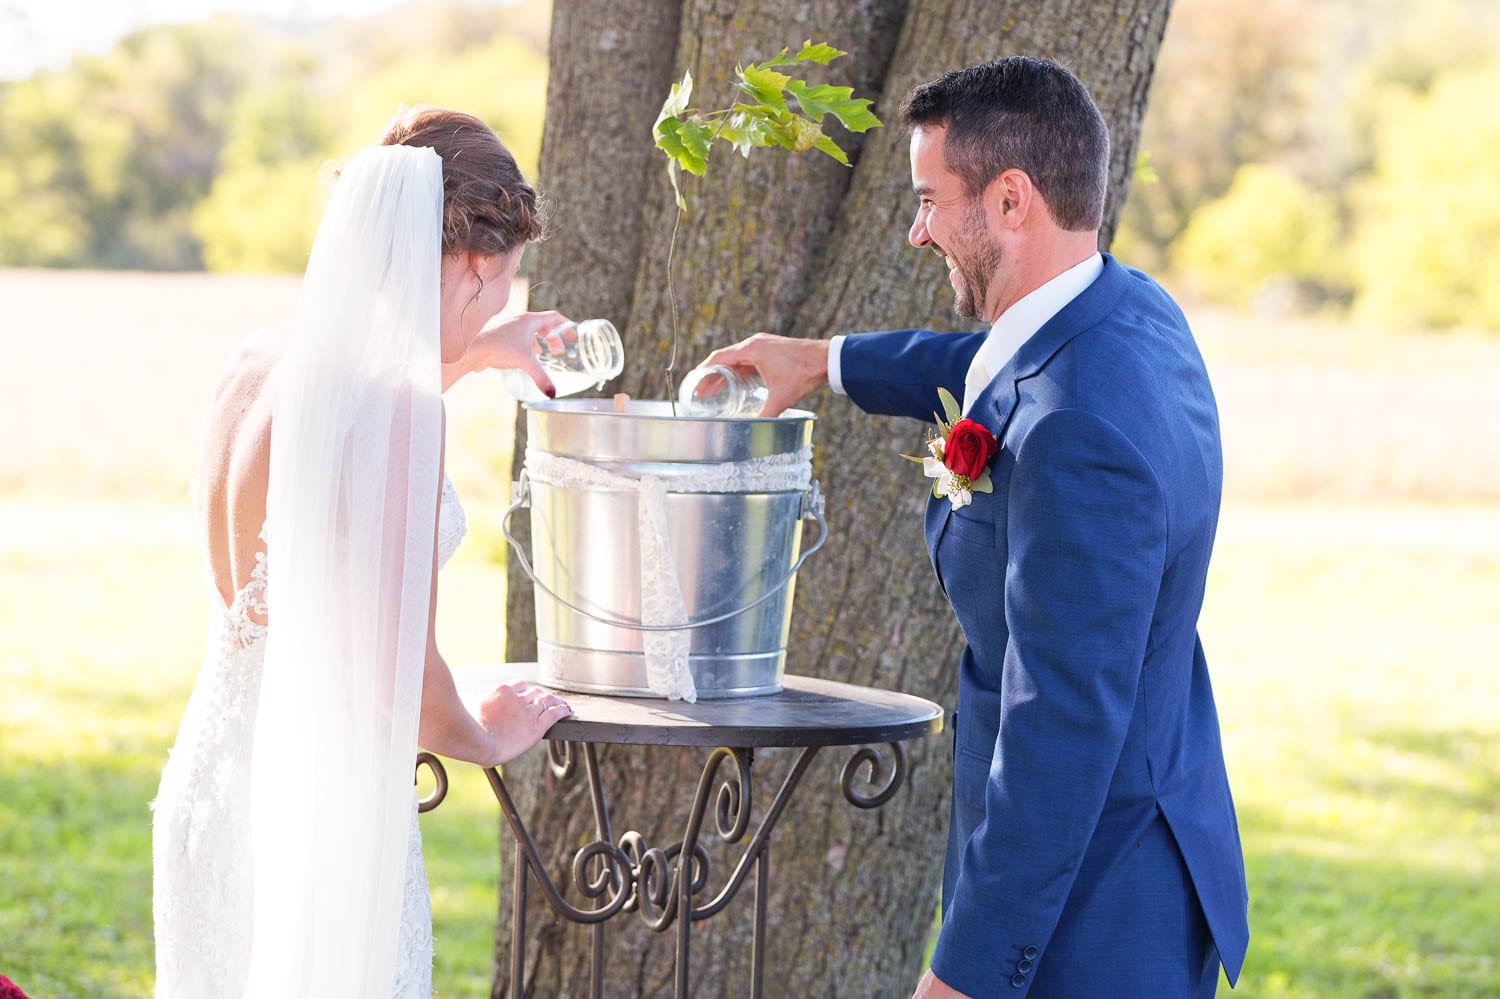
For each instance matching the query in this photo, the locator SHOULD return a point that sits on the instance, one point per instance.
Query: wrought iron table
(628, 874)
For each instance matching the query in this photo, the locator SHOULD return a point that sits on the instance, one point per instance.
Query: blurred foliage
(203, 145)
(1427, 231)
(1230, 85)
(1325, 149)
(103, 161)
(262, 211)
(1269, 228)
(265, 204)
(1292, 155)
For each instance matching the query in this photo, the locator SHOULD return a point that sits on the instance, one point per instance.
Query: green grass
(100, 645)
(1353, 669)
(1355, 673)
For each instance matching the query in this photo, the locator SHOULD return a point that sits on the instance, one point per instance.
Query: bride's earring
(474, 300)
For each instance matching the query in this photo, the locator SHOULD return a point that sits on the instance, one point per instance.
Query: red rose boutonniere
(959, 457)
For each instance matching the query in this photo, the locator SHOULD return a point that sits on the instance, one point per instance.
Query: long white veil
(351, 522)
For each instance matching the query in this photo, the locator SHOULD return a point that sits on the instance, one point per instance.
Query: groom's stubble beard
(977, 260)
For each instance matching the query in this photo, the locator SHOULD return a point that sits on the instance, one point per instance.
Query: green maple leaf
(827, 145)
(856, 115)
(853, 113)
(695, 139)
(686, 142)
(805, 133)
(765, 85)
(677, 100)
(819, 100)
(792, 131)
(746, 129)
(765, 120)
(819, 53)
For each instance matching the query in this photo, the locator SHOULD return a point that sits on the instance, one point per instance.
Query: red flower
(968, 449)
(10, 990)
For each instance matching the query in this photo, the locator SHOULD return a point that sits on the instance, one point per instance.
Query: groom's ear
(1010, 199)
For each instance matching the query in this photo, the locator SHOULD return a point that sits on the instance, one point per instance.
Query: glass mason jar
(591, 354)
(719, 391)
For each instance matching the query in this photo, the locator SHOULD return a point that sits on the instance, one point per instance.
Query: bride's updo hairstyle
(488, 207)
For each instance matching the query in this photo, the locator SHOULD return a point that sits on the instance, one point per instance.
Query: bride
(287, 857)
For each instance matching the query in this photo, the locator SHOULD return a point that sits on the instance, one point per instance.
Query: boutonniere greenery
(959, 457)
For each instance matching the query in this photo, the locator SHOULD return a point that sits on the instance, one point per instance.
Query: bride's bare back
(235, 463)
(233, 476)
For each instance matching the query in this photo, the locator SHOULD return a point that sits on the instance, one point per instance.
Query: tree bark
(803, 246)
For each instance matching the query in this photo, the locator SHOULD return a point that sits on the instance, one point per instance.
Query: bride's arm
(506, 344)
(512, 718)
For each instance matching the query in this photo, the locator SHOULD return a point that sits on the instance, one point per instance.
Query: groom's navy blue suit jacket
(1091, 815)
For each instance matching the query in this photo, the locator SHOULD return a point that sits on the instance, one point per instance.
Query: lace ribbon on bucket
(662, 602)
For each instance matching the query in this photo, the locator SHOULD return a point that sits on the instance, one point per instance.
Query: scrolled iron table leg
(518, 925)
(440, 775)
(732, 819)
(661, 884)
(885, 785)
(614, 881)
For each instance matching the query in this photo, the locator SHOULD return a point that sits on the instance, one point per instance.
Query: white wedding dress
(202, 882)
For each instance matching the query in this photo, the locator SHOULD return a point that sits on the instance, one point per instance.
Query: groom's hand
(791, 368)
(932, 987)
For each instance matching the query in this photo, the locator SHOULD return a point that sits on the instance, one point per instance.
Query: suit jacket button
(1023, 966)
(1018, 981)
(1030, 953)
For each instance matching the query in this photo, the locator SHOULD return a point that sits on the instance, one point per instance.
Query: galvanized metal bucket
(736, 553)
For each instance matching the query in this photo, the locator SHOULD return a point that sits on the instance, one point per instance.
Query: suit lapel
(997, 401)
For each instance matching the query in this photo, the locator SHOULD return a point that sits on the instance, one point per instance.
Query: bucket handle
(812, 504)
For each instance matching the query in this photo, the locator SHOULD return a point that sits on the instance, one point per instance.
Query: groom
(1093, 849)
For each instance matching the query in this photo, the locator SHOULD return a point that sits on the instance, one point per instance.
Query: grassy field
(1352, 624)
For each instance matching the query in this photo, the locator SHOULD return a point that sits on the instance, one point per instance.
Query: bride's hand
(510, 343)
(517, 715)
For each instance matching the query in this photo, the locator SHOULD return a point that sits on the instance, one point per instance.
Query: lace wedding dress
(201, 891)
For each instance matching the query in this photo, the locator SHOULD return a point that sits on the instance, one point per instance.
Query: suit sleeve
(899, 373)
(1086, 531)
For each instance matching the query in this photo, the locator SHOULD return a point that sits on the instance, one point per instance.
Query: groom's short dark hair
(1025, 114)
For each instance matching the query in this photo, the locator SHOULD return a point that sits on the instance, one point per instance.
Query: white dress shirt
(1014, 327)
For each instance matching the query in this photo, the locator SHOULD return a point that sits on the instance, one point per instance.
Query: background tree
(1233, 87)
(1427, 247)
(266, 199)
(104, 160)
(804, 246)
(201, 145)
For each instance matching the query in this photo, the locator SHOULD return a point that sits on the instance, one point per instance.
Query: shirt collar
(1025, 316)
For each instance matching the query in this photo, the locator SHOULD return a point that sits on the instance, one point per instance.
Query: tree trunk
(800, 245)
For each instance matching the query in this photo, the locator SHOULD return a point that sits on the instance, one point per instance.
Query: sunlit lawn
(1354, 657)
(1353, 649)
(100, 644)
(1355, 680)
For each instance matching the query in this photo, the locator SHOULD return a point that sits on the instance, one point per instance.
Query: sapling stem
(672, 301)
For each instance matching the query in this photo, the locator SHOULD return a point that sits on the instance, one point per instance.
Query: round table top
(808, 711)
